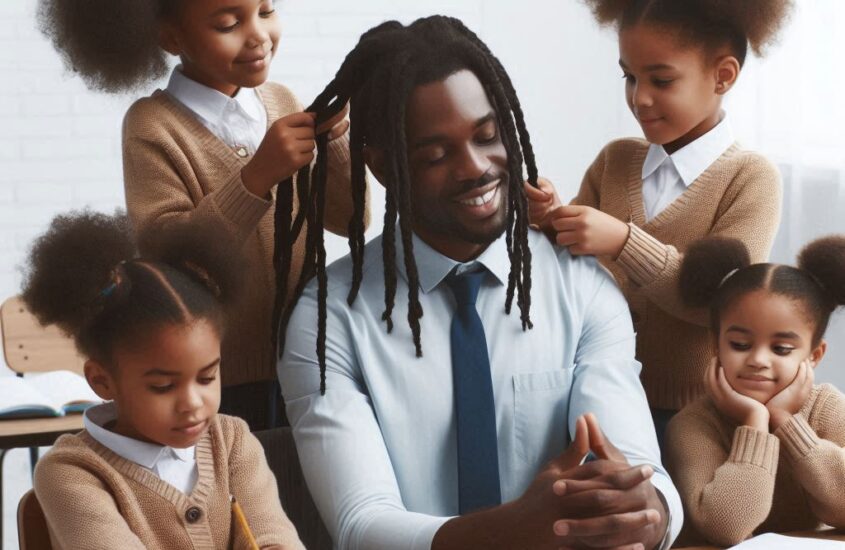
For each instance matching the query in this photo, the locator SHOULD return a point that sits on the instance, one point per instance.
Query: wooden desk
(829, 534)
(32, 432)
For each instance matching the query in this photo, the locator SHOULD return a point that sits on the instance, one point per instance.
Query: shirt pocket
(541, 405)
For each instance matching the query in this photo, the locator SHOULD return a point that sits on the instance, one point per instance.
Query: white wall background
(60, 149)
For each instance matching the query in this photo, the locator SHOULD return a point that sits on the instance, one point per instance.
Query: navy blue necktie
(478, 458)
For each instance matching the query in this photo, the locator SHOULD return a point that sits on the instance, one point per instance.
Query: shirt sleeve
(252, 483)
(341, 448)
(728, 492)
(748, 212)
(818, 457)
(607, 382)
(61, 486)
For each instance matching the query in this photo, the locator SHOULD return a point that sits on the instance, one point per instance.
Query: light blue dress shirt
(378, 450)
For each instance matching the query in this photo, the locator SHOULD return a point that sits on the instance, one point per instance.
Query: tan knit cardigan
(174, 167)
(736, 481)
(93, 498)
(738, 196)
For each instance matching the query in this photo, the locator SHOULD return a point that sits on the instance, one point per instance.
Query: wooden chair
(281, 455)
(30, 348)
(32, 526)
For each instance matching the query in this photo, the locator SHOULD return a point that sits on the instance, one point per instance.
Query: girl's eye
(740, 346)
(661, 83)
(207, 380)
(628, 76)
(783, 350)
(161, 389)
(229, 28)
(267, 13)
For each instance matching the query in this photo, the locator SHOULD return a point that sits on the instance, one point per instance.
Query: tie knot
(465, 286)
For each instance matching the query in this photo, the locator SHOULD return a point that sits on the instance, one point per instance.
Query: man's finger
(599, 444)
(607, 526)
(578, 449)
(621, 480)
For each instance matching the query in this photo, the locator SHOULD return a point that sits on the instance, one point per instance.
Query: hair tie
(115, 280)
(728, 276)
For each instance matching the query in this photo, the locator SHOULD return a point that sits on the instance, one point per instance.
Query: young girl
(156, 466)
(642, 202)
(213, 144)
(764, 450)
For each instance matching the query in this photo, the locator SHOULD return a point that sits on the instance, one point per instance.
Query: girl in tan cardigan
(155, 466)
(643, 201)
(765, 450)
(213, 144)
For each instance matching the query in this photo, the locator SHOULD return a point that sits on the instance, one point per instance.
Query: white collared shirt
(666, 177)
(177, 467)
(239, 121)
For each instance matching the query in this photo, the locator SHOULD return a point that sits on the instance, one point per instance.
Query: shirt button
(241, 152)
(193, 514)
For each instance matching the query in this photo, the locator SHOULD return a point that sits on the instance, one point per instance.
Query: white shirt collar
(140, 452)
(694, 158)
(210, 104)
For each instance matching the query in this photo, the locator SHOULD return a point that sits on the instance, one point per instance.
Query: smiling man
(451, 430)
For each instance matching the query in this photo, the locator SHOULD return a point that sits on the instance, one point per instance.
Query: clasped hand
(605, 503)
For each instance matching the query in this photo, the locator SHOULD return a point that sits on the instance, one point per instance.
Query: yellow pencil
(241, 519)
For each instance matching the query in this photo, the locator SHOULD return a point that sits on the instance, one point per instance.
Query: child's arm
(749, 211)
(80, 511)
(254, 486)
(817, 456)
(727, 492)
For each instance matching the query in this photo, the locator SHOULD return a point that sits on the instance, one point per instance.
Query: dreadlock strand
(320, 268)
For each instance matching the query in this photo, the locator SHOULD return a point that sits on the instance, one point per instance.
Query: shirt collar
(207, 102)
(140, 452)
(433, 267)
(694, 158)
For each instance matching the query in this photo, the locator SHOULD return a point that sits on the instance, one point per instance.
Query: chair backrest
(29, 347)
(280, 450)
(32, 527)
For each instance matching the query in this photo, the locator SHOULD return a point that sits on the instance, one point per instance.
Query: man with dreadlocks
(461, 443)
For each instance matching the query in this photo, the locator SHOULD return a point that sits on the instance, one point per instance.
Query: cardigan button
(193, 514)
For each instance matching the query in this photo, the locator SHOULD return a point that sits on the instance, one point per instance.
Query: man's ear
(100, 380)
(817, 354)
(726, 72)
(167, 38)
(374, 158)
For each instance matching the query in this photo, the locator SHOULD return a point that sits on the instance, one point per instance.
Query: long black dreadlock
(376, 78)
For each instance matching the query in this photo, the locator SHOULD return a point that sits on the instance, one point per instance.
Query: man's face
(458, 165)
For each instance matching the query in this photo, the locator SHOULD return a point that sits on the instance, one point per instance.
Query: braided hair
(376, 78)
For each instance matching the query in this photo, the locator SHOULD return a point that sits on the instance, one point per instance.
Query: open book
(55, 393)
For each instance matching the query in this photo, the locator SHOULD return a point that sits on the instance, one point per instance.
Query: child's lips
(192, 429)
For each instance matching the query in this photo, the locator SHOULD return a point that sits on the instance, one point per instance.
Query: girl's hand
(741, 408)
(336, 126)
(288, 146)
(542, 202)
(790, 399)
(586, 230)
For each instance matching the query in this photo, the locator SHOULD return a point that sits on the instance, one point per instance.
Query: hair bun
(706, 264)
(73, 264)
(824, 258)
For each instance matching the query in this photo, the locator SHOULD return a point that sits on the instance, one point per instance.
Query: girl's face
(763, 337)
(166, 387)
(673, 92)
(224, 44)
